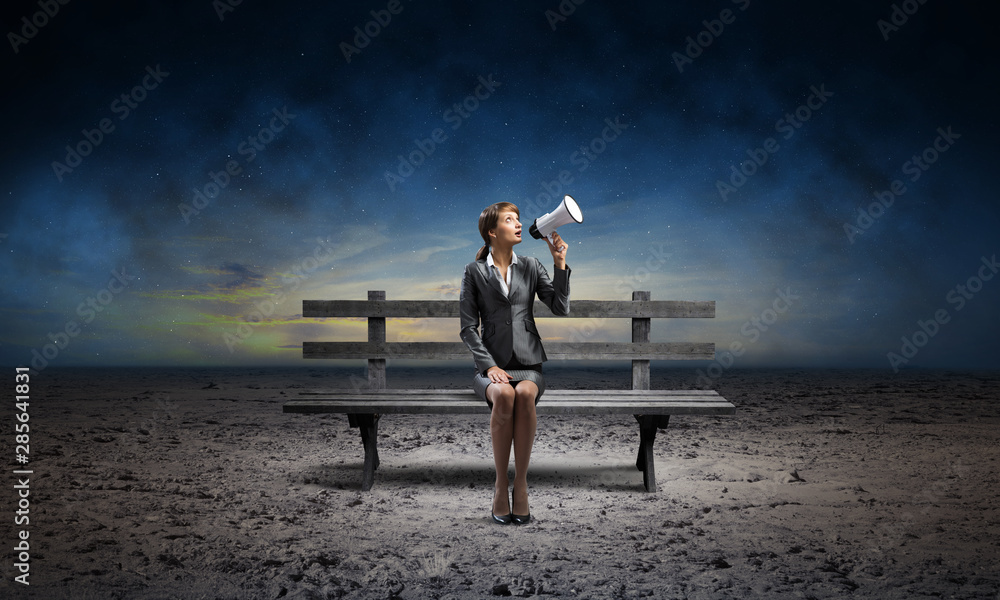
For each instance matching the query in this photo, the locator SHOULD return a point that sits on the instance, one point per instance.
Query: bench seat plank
(554, 402)
(467, 393)
(570, 407)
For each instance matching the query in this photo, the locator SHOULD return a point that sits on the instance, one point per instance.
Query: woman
(499, 290)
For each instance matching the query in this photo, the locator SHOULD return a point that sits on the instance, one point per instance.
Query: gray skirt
(480, 382)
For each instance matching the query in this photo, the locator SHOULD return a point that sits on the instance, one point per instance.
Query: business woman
(498, 293)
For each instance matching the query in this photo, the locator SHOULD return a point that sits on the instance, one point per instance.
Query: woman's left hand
(558, 249)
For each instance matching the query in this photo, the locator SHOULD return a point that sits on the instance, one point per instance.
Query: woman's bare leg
(502, 433)
(525, 423)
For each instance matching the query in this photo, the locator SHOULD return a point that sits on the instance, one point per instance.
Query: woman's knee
(502, 395)
(524, 395)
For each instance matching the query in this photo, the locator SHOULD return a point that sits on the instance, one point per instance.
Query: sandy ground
(825, 484)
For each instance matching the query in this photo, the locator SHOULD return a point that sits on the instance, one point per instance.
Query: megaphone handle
(549, 237)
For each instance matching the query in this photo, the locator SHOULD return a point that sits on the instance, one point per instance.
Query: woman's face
(508, 229)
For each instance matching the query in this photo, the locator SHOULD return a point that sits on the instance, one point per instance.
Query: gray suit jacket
(508, 322)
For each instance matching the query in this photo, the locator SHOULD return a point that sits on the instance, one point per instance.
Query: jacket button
(508, 321)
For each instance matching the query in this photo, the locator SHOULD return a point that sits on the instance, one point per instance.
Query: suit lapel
(516, 277)
(492, 280)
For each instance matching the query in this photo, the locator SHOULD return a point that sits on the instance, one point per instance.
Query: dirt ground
(825, 484)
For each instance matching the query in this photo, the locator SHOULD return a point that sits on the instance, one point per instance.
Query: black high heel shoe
(518, 519)
(502, 520)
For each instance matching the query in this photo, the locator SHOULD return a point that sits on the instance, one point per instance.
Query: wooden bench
(651, 408)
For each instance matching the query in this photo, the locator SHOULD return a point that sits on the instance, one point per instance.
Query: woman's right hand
(497, 375)
(558, 249)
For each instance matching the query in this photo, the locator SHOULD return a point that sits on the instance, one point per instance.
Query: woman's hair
(488, 220)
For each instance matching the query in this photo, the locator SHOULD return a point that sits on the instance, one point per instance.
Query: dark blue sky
(176, 180)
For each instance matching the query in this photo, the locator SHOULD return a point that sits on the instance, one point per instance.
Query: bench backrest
(640, 350)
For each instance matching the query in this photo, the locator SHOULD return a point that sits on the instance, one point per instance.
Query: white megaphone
(568, 211)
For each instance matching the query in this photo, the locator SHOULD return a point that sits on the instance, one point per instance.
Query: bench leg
(648, 424)
(368, 424)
